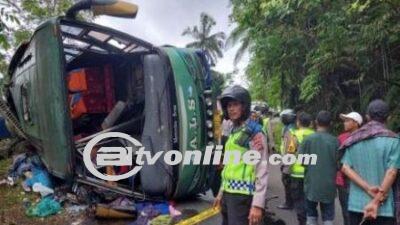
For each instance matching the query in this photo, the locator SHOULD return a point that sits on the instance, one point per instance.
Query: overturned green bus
(74, 80)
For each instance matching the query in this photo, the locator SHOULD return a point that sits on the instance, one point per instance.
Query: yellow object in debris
(103, 211)
(206, 214)
(161, 220)
(217, 121)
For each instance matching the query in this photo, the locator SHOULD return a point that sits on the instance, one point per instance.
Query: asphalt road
(275, 189)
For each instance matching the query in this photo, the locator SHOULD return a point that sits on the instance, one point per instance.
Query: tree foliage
(212, 43)
(240, 35)
(19, 18)
(321, 54)
(220, 81)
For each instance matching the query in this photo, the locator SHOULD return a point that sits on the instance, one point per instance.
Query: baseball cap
(354, 116)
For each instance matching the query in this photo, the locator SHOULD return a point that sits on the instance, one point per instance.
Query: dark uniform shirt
(319, 180)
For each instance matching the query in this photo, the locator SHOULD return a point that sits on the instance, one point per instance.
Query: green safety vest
(237, 178)
(281, 147)
(297, 170)
(265, 124)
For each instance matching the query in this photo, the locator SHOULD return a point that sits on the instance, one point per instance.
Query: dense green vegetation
(19, 18)
(322, 54)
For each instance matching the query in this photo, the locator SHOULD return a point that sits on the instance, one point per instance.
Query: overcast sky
(162, 22)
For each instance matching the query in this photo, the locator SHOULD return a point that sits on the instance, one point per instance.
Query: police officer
(266, 125)
(244, 186)
(288, 119)
(303, 130)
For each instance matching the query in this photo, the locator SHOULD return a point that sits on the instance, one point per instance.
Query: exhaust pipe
(82, 5)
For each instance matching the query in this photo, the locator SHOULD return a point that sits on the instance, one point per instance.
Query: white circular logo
(111, 156)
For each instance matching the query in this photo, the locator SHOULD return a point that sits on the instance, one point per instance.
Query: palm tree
(239, 34)
(212, 44)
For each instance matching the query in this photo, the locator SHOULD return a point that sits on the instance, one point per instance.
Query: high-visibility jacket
(288, 129)
(265, 125)
(238, 178)
(297, 170)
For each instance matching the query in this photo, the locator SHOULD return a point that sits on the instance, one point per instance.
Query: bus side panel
(48, 87)
(192, 179)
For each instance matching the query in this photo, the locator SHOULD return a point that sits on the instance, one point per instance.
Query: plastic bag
(46, 207)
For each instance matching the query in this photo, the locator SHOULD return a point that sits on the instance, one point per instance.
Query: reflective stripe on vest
(265, 124)
(237, 178)
(297, 170)
(282, 147)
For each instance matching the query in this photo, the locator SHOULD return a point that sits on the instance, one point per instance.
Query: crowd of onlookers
(360, 165)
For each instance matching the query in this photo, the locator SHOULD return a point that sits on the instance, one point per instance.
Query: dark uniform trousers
(298, 196)
(235, 208)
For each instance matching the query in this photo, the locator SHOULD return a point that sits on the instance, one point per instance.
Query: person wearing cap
(351, 122)
(319, 179)
(244, 186)
(371, 160)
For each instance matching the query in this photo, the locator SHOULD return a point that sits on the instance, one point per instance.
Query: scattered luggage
(91, 91)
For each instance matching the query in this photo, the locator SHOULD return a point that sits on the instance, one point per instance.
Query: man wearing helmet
(265, 115)
(288, 118)
(244, 186)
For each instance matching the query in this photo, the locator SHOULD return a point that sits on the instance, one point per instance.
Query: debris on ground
(146, 214)
(8, 181)
(38, 176)
(161, 220)
(81, 202)
(173, 211)
(78, 222)
(161, 207)
(46, 207)
(185, 214)
(43, 190)
(24, 162)
(123, 204)
(105, 211)
(76, 209)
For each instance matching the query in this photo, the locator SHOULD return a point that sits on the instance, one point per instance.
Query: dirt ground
(12, 211)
